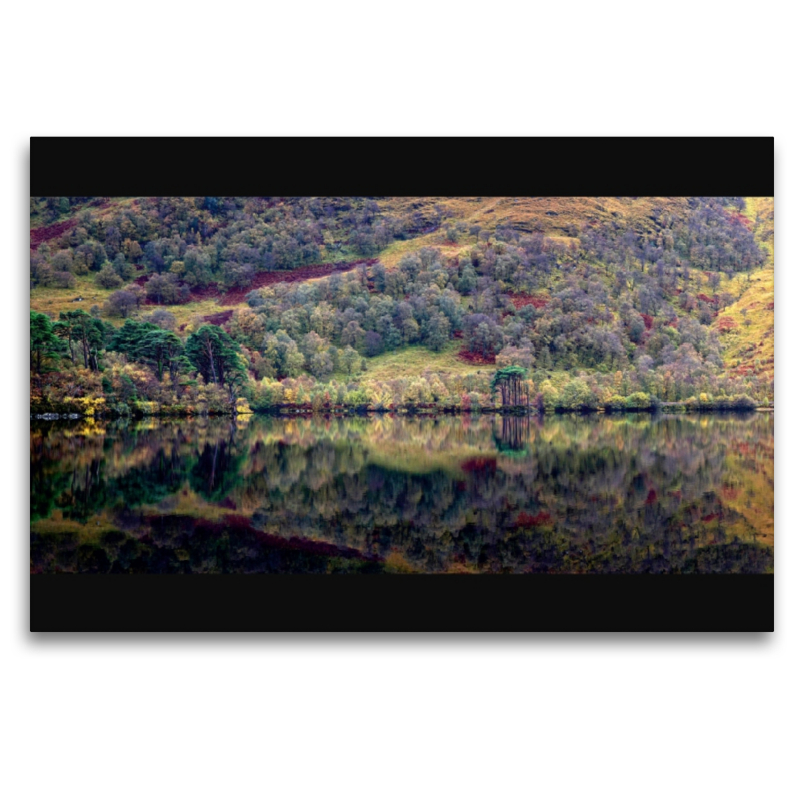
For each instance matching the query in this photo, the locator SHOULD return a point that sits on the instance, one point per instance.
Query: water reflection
(451, 494)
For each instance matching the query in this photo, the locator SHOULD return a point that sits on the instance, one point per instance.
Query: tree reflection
(511, 434)
(510, 494)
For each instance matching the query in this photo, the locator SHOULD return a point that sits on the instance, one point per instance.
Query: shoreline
(289, 412)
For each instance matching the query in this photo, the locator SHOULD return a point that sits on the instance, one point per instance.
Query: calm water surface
(473, 494)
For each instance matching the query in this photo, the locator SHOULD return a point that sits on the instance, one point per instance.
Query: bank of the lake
(146, 410)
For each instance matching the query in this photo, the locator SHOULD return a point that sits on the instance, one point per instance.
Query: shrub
(706, 402)
(107, 278)
(358, 397)
(163, 319)
(63, 280)
(266, 394)
(577, 396)
(549, 398)
(121, 303)
(91, 405)
(242, 406)
(639, 401)
(616, 403)
(703, 402)
(166, 289)
(741, 402)
(147, 408)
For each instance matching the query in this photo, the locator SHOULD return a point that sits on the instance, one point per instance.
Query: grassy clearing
(391, 255)
(48, 300)
(51, 301)
(190, 314)
(553, 216)
(414, 360)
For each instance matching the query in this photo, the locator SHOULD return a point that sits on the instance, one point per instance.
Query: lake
(472, 494)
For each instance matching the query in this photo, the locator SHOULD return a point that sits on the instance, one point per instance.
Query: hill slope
(750, 339)
(352, 297)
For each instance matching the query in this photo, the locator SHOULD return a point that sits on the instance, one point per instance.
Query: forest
(193, 306)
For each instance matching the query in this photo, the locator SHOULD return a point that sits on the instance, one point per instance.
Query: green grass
(52, 301)
(414, 360)
(390, 256)
(48, 300)
(189, 313)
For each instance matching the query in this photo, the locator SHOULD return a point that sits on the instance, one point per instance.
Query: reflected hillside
(383, 493)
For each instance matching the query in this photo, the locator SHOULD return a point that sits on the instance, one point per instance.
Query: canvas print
(422, 385)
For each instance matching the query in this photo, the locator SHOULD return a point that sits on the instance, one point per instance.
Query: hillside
(383, 302)
(747, 327)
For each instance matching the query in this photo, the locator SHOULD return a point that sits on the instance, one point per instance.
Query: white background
(435, 716)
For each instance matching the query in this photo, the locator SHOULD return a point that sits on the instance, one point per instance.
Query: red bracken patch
(48, 232)
(740, 218)
(648, 321)
(652, 497)
(520, 299)
(210, 292)
(770, 306)
(727, 324)
(235, 296)
(479, 465)
(475, 358)
(525, 520)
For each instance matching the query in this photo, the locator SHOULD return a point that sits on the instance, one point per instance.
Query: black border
(417, 603)
(391, 166)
